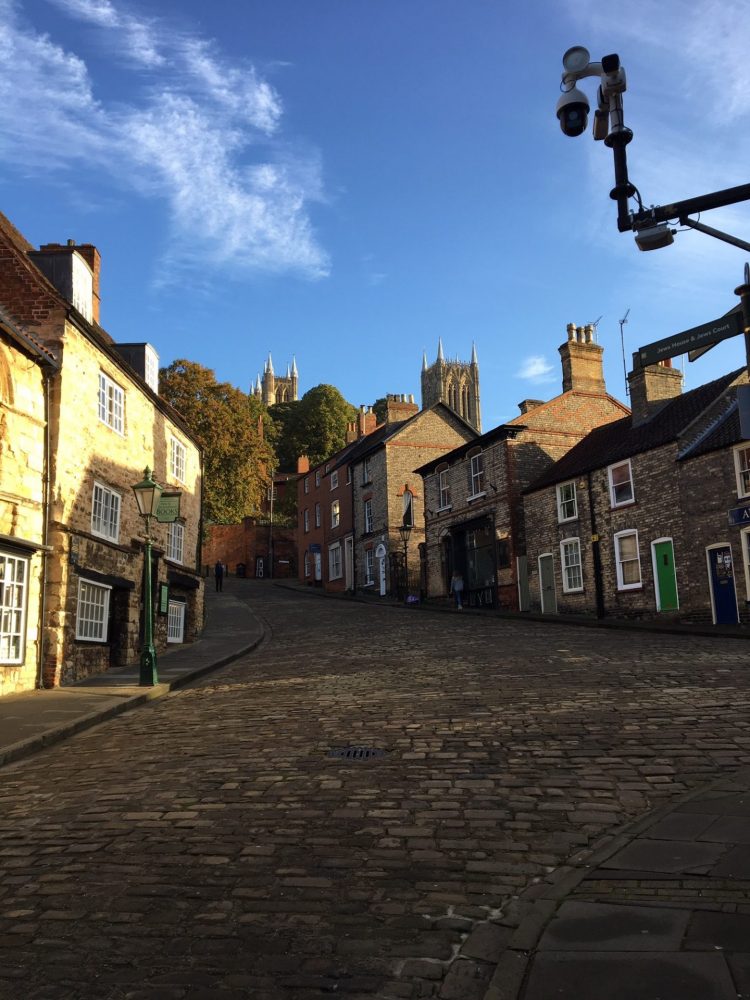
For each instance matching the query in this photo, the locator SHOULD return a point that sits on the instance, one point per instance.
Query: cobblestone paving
(208, 847)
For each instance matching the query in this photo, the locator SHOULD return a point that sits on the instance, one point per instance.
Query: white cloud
(202, 137)
(536, 368)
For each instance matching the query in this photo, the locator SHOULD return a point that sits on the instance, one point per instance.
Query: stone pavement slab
(579, 926)
(632, 976)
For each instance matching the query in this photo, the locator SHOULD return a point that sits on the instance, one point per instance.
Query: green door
(666, 580)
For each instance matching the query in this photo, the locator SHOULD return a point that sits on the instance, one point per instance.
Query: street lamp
(405, 532)
(147, 496)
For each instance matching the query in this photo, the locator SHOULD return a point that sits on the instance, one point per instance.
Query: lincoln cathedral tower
(454, 383)
(273, 388)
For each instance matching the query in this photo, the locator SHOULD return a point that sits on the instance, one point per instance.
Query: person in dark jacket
(219, 575)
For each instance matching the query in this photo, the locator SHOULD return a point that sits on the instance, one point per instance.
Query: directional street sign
(693, 340)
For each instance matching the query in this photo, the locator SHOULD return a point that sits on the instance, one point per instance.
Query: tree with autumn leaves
(236, 436)
(243, 442)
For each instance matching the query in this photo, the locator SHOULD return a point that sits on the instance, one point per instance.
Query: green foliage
(314, 426)
(380, 409)
(237, 460)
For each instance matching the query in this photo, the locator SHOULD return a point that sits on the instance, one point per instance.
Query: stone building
(474, 517)
(26, 369)
(386, 492)
(649, 516)
(455, 383)
(273, 388)
(106, 424)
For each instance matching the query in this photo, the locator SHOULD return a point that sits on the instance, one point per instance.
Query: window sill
(444, 510)
(623, 588)
(576, 590)
(625, 503)
(476, 496)
(567, 520)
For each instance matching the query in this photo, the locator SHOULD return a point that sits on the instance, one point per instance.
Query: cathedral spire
(474, 360)
(294, 367)
(440, 349)
(269, 365)
(258, 391)
(424, 361)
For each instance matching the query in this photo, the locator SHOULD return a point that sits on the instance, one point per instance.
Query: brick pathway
(206, 846)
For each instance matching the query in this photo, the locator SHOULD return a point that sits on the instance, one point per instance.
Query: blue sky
(348, 180)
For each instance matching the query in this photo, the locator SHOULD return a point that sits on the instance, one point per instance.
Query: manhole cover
(357, 753)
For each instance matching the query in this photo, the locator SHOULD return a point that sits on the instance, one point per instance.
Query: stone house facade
(647, 516)
(386, 492)
(26, 369)
(474, 516)
(106, 424)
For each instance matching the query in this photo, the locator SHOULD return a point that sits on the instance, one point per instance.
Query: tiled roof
(620, 439)
(723, 432)
(28, 341)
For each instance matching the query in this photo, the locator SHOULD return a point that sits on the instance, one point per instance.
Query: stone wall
(22, 459)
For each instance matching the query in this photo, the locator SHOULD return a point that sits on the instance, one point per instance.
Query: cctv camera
(654, 237)
(573, 112)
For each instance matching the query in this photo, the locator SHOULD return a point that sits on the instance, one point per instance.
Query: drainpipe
(42, 637)
(596, 553)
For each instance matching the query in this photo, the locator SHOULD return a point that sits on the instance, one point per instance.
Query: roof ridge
(695, 442)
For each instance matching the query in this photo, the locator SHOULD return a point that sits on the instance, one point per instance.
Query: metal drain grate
(357, 753)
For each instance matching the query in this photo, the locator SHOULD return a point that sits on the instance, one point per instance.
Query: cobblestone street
(207, 845)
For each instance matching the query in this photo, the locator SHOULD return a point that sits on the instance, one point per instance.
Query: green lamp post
(147, 496)
(405, 531)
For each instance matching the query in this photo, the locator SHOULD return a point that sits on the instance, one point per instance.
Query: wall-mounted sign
(168, 509)
(740, 515)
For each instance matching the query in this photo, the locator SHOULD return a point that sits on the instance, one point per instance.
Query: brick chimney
(365, 423)
(582, 361)
(303, 464)
(528, 404)
(400, 408)
(74, 271)
(651, 387)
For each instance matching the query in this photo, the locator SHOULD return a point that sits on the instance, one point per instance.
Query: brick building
(26, 369)
(648, 516)
(474, 518)
(106, 423)
(386, 491)
(325, 530)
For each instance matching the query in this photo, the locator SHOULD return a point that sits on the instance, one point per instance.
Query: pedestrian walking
(457, 589)
(219, 575)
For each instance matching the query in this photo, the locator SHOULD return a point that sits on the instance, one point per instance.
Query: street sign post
(695, 341)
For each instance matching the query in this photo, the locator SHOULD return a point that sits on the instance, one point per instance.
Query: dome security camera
(573, 112)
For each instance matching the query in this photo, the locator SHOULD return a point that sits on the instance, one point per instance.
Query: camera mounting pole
(650, 225)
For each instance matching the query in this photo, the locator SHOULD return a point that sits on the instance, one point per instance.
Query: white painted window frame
(444, 490)
(618, 561)
(176, 622)
(175, 542)
(369, 567)
(177, 459)
(740, 471)
(614, 502)
(317, 515)
(111, 500)
(306, 519)
(562, 518)
(98, 625)
(335, 514)
(565, 544)
(477, 475)
(335, 479)
(335, 562)
(14, 595)
(369, 520)
(111, 404)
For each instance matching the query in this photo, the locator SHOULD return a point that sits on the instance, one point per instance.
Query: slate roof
(620, 439)
(480, 441)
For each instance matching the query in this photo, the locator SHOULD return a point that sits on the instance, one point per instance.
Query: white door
(176, 621)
